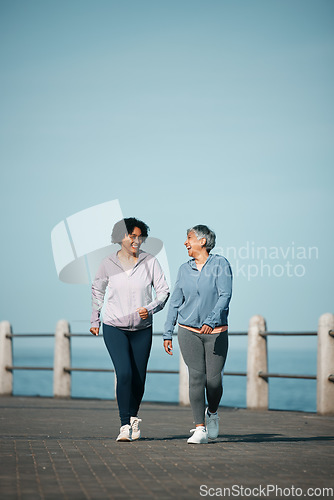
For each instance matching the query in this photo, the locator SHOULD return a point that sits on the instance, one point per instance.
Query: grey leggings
(205, 356)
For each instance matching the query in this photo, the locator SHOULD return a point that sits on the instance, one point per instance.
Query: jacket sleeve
(224, 286)
(176, 301)
(161, 289)
(99, 286)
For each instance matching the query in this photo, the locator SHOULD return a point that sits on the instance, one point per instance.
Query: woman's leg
(193, 353)
(216, 347)
(140, 348)
(118, 345)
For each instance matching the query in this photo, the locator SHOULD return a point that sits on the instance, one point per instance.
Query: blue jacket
(200, 297)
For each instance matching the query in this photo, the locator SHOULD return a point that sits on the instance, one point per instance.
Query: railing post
(183, 383)
(257, 361)
(325, 368)
(6, 359)
(62, 359)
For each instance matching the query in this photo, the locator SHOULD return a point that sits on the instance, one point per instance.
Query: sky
(187, 112)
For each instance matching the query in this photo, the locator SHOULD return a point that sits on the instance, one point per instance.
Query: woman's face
(131, 242)
(193, 245)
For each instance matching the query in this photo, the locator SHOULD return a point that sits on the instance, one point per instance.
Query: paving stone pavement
(66, 449)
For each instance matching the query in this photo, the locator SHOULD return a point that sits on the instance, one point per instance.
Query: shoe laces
(199, 428)
(135, 423)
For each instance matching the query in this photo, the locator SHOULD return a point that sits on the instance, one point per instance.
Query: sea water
(285, 356)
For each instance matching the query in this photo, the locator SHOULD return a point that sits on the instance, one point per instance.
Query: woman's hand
(94, 330)
(206, 329)
(168, 347)
(143, 312)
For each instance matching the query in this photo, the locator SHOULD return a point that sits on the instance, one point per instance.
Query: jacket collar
(192, 262)
(141, 256)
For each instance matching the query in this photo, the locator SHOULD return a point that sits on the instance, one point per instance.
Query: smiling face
(131, 242)
(194, 246)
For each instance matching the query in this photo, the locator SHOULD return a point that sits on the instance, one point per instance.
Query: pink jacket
(126, 292)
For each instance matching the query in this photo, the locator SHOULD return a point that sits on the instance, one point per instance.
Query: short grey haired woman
(200, 303)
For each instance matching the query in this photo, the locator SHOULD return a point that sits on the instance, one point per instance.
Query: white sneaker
(200, 435)
(125, 433)
(134, 422)
(212, 424)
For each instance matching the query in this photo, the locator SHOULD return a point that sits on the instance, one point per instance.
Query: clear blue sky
(217, 112)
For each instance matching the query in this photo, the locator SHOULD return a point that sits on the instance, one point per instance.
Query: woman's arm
(224, 286)
(99, 286)
(176, 301)
(161, 289)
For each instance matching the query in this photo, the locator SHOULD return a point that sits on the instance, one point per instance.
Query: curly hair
(126, 226)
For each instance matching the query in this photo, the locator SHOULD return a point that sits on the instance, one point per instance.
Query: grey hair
(204, 232)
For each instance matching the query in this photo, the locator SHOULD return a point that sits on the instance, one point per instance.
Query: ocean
(285, 355)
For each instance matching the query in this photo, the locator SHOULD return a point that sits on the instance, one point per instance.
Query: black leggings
(129, 352)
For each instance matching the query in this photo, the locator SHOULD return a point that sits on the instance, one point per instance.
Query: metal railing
(169, 372)
(266, 375)
(257, 361)
(107, 370)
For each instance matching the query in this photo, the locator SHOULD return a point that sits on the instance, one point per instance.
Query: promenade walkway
(66, 449)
